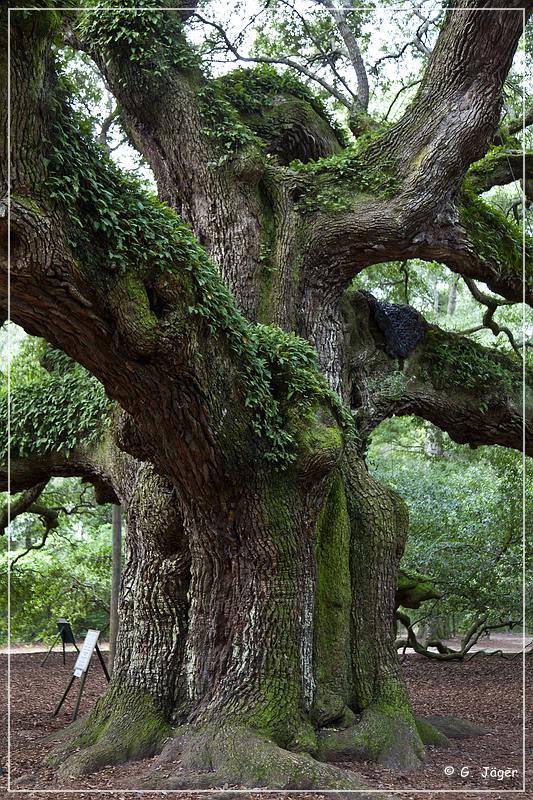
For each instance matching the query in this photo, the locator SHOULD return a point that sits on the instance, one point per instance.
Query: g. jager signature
(498, 774)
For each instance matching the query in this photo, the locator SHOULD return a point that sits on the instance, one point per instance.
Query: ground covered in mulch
(486, 690)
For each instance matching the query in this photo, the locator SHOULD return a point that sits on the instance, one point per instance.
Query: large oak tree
(246, 374)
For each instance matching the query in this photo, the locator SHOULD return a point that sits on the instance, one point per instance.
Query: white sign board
(84, 656)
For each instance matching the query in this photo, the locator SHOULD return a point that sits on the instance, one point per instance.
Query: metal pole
(80, 692)
(115, 584)
(67, 690)
(53, 645)
(102, 662)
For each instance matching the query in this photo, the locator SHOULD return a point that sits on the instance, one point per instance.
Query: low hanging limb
(49, 515)
(20, 506)
(445, 653)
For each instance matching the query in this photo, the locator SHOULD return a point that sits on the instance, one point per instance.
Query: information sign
(84, 656)
(90, 645)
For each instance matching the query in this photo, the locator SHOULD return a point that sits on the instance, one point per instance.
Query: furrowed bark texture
(256, 595)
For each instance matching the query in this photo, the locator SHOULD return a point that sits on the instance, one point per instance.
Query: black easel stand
(83, 678)
(67, 637)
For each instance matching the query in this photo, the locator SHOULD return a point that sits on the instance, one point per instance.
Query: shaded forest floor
(487, 691)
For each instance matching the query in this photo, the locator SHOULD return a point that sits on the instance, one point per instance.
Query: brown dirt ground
(487, 691)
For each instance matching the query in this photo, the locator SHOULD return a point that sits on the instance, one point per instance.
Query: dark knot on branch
(402, 327)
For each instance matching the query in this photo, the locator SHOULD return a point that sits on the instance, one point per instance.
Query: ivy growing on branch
(494, 236)
(457, 360)
(355, 169)
(147, 35)
(252, 90)
(116, 228)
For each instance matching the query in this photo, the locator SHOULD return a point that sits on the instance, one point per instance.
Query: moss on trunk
(125, 724)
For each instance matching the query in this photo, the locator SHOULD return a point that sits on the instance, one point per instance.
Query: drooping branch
(445, 653)
(491, 304)
(400, 365)
(287, 62)
(49, 515)
(49, 518)
(416, 42)
(20, 506)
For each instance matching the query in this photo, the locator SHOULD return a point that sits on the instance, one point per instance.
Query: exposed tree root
(393, 741)
(430, 735)
(236, 756)
(453, 727)
(123, 725)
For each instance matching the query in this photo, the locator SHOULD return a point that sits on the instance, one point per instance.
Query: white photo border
(333, 792)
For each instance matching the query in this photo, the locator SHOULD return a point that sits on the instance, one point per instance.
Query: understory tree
(245, 372)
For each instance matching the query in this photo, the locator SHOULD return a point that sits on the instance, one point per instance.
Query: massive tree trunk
(258, 592)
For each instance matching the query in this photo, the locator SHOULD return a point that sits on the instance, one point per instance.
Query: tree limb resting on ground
(445, 653)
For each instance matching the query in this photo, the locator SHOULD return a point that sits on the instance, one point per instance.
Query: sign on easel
(85, 654)
(81, 667)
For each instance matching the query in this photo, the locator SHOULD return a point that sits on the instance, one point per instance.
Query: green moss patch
(413, 589)
(494, 237)
(125, 724)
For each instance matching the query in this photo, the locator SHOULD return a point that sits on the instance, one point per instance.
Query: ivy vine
(115, 226)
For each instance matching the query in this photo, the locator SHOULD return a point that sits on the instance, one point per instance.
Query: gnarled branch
(400, 365)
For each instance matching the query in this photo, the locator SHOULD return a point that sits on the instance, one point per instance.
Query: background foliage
(69, 577)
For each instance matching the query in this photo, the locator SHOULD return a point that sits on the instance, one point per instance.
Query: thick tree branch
(448, 127)
(400, 365)
(516, 125)
(499, 168)
(79, 462)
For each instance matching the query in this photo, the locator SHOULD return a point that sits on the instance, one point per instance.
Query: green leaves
(69, 577)
(465, 511)
(53, 411)
(154, 38)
